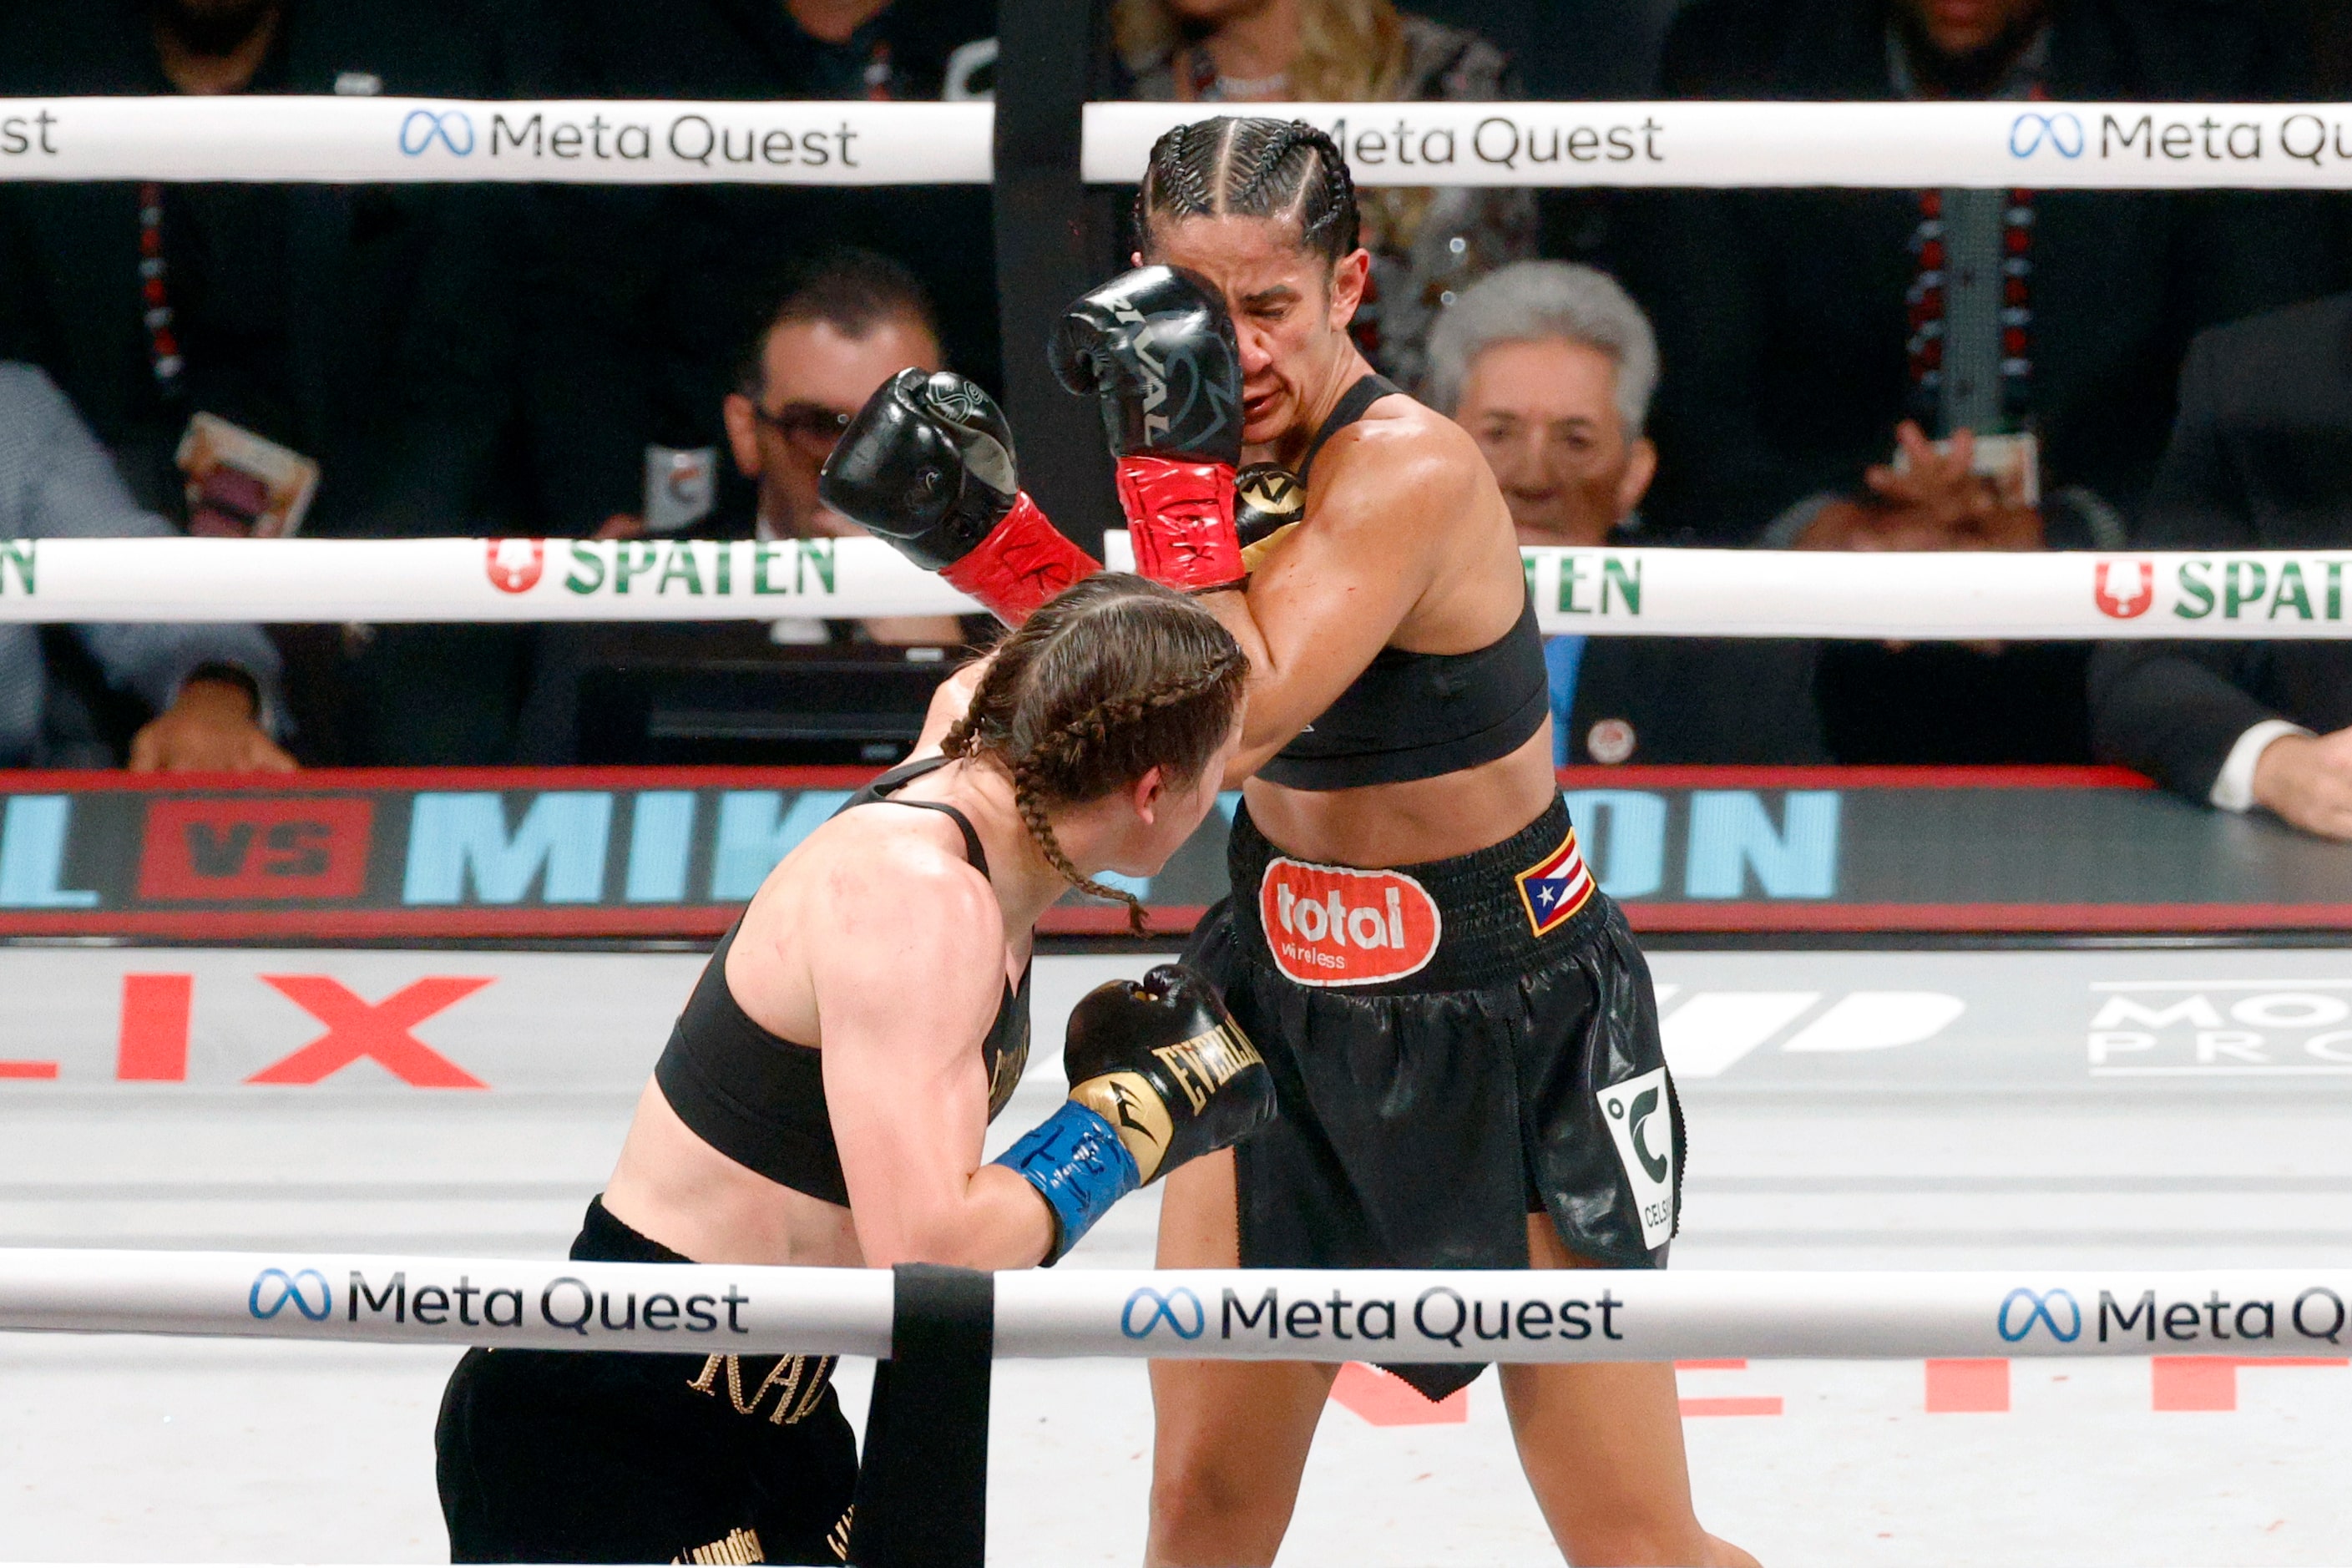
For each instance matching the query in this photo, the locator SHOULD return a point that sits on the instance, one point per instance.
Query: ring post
(922, 1481)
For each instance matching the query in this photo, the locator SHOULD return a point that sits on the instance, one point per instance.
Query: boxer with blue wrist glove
(1159, 1075)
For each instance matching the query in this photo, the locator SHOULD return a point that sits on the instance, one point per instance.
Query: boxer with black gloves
(826, 1094)
(1157, 346)
(927, 465)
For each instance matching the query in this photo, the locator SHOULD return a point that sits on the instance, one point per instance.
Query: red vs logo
(515, 564)
(2125, 605)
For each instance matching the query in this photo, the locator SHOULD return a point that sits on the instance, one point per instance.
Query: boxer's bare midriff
(1407, 823)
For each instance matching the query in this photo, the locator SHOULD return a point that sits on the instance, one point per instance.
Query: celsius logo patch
(1641, 1116)
(1327, 925)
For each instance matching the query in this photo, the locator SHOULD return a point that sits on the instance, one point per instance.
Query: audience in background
(209, 689)
(1550, 367)
(363, 328)
(1426, 245)
(2261, 460)
(851, 323)
(1822, 341)
(676, 278)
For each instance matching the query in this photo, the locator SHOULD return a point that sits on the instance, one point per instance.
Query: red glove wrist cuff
(1024, 561)
(1180, 517)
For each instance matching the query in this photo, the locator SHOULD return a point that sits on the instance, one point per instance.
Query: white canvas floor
(1956, 1150)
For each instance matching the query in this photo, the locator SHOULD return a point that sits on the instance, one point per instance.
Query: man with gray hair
(1550, 368)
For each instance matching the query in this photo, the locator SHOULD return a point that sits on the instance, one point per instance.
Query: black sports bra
(759, 1099)
(1417, 715)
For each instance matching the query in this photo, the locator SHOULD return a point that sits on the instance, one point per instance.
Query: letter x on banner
(379, 1031)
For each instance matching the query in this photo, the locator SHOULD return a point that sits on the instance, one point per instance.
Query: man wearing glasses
(849, 324)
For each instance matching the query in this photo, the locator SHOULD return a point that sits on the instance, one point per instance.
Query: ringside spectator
(677, 276)
(850, 323)
(363, 328)
(2261, 460)
(1426, 245)
(1822, 340)
(1550, 368)
(212, 688)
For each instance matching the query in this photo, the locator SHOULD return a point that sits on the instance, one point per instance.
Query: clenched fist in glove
(927, 465)
(1158, 1074)
(1157, 347)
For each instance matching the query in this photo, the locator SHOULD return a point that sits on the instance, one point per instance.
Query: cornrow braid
(1252, 168)
(1112, 679)
(1089, 735)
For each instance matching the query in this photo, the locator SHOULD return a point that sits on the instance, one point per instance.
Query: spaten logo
(284, 1289)
(2062, 133)
(1174, 1308)
(515, 565)
(2124, 604)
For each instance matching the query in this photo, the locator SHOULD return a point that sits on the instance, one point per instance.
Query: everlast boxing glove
(1157, 347)
(1158, 1074)
(927, 465)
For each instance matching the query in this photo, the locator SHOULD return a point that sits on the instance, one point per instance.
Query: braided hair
(1254, 167)
(1114, 677)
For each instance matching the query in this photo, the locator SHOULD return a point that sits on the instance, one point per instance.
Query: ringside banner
(457, 853)
(1259, 1314)
(279, 137)
(2049, 146)
(2252, 596)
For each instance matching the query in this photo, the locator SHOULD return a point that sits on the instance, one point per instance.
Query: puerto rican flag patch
(1556, 887)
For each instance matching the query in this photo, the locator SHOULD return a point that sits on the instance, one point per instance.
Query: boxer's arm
(904, 1077)
(1379, 515)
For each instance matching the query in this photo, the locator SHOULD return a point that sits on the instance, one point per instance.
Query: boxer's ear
(1146, 793)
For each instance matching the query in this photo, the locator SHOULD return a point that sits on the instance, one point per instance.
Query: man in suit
(678, 278)
(1550, 366)
(2261, 458)
(363, 327)
(1815, 334)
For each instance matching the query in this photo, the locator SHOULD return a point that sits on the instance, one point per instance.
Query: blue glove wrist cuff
(1077, 1164)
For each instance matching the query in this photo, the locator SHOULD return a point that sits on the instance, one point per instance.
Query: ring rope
(2252, 594)
(2049, 146)
(1324, 1315)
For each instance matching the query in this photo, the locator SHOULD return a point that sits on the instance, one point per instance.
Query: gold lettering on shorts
(794, 1376)
(839, 1538)
(735, 1546)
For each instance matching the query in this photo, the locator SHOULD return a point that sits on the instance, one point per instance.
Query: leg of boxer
(1602, 1443)
(1230, 1436)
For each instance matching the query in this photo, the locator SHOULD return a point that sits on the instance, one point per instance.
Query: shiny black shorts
(1454, 1046)
(603, 1456)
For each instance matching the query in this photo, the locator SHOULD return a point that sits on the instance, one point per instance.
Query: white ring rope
(2257, 595)
(1247, 1314)
(2049, 146)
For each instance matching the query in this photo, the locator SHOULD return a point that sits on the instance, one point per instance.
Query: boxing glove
(1160, 1074)
(927, 465)
(1158, 351)
(1268, 498)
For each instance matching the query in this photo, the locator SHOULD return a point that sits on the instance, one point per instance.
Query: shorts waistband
(1457, 924)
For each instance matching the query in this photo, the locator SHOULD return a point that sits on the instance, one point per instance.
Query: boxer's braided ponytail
(1114, 677)
(1252, 168)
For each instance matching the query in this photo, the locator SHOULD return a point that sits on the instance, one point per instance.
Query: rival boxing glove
(927, 465)
(1160, 1073)
(1157, 347)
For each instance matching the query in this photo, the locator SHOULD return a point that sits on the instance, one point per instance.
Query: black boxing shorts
(606, 1457)
(1455, 1046)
